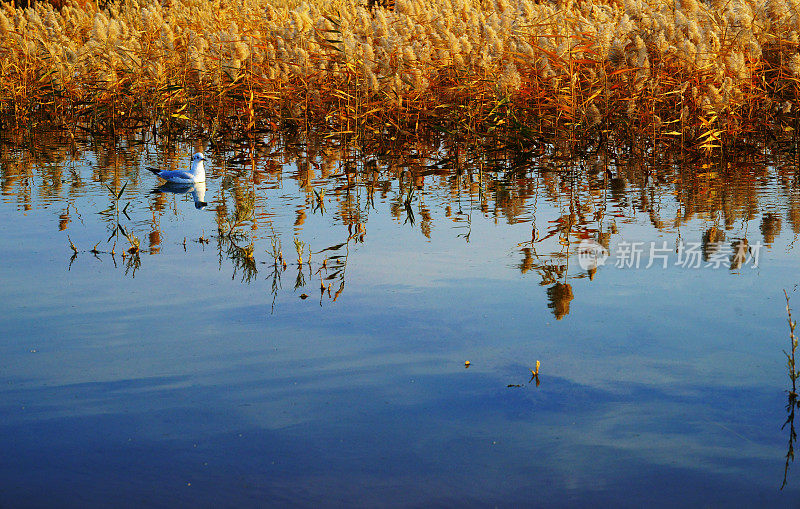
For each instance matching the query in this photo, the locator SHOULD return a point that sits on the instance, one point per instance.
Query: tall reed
(713, 69)
(707, 74)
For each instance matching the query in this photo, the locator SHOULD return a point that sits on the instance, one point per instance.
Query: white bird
(197, 172)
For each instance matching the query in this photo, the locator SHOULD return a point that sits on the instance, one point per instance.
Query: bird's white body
(196, 173)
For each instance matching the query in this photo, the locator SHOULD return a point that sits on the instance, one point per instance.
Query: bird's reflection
(198, 191)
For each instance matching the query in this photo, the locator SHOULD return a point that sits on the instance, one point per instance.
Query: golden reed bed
(699, 74)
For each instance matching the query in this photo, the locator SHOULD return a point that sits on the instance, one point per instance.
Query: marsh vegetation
(650, 74)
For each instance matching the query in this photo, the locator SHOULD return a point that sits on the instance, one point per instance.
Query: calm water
(193, 373)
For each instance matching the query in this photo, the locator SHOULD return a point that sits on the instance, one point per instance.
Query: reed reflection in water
(576, 200)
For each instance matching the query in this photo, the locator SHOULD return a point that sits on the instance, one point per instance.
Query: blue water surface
(185, 379)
